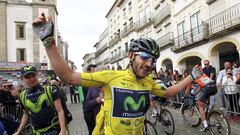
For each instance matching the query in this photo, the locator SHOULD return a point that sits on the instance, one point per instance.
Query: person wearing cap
(126, 92)
(44, 119)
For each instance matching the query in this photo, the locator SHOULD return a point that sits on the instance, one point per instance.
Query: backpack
(48, 92)
(67, 113)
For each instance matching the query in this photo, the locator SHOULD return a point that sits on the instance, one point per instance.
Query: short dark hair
(91, 66)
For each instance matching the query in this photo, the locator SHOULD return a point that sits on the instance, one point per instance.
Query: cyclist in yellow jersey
(126, 93)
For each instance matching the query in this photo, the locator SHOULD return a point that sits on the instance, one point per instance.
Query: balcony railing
(106, 61)
(128, 29)
(190, 38)
(102, 49)
(210, 1)
(144, 22)
(165, 40)
(162, 15)
(114, 40)
(225, 21)
(124, 54)
(116, 58)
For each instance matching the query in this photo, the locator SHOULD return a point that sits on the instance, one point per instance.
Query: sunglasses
(28, 76)
(5, 86)
(146, 57)
(230, 74)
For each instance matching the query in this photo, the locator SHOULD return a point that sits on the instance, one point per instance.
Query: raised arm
(45, 31)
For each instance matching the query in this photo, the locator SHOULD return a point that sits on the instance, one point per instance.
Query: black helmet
(147, 45)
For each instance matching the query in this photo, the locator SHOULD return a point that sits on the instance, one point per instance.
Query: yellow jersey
(126, 99)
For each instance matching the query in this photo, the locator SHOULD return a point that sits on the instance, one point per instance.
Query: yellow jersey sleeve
(158, 90)
(96, 79)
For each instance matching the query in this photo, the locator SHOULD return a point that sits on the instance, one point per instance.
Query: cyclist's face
(30, 79)
(143, 64)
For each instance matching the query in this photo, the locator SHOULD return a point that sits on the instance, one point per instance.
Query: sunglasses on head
(146, 57)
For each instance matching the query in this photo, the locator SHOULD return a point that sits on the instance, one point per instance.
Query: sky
(80, 23)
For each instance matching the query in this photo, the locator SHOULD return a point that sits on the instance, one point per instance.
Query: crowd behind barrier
(224, 99)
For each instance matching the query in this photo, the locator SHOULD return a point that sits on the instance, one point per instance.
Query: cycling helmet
(147, 45)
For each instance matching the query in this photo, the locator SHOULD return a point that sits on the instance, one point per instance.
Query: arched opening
(188, 63)
(167, 64)
(225, 51)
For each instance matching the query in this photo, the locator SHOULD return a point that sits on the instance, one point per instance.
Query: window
(125, 27)
(20, 31)
(195, 23)
(130, 5)
(141, 18)
(21, 55)
(126, 47)
(148, 12)
(181, 28)
(131, 22)
(124, 11)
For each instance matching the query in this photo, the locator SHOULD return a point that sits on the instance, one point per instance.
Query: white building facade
(187, 31)
(18, 42)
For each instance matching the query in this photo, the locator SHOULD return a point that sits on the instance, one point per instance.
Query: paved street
(78, 126)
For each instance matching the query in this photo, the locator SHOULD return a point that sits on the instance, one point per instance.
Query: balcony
(106, 61)
(144, 22)
(116, 57)
(124, 54)
(162, 15)
(209, 2)
(165, 40)
(192, 38)
(114, 40)
(128, 29)
(102, 49)
(225, 22)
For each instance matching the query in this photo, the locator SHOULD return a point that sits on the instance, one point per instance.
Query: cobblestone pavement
(183, 129)
(78, 126)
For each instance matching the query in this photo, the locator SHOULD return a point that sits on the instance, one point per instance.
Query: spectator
(231, 92)
(45, 119)
(72, 94)
(86, 111)
(236, 68)
(119, 67)
(8, 93)
(222, 73)
(93, 102)
(210, 71)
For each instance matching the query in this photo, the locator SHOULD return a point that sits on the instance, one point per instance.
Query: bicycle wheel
(149, 128)
(190, 115)
(150, 117)
(218, 123)
(167, 122)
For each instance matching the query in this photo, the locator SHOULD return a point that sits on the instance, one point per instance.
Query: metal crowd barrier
(13, 109)
(227, 98)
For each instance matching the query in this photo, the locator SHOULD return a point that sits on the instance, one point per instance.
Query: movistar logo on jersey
(129, 103)
(134, 105)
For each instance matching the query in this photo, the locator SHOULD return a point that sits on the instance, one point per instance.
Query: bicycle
(216, 119)
(149, 128)
(164, 117)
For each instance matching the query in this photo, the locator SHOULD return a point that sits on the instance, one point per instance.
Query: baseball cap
(27, 70)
